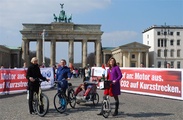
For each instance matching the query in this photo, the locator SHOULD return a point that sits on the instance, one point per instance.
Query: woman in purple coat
(114, 74)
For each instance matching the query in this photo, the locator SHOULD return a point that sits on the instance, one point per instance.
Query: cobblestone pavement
(132, 107)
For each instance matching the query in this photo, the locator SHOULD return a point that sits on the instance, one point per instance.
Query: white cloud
(15, 12)
(21, 11)
(117, 38)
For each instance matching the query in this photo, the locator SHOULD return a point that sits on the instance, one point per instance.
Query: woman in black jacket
(33, 75)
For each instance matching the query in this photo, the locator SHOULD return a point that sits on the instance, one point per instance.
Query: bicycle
(40, 102)
(106, 106)
(92, 95)
(61, 99)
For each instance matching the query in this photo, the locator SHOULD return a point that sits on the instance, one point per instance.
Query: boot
(41, 108)
(116, 109)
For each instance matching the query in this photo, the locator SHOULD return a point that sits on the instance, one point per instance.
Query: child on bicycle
(85, 89)
(114, 74)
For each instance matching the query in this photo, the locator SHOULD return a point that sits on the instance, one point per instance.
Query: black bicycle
(61, 99)
(40, 102)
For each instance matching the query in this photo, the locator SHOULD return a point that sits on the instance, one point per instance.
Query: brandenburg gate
(61, 30)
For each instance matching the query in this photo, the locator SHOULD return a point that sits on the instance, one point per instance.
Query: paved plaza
(132, 107)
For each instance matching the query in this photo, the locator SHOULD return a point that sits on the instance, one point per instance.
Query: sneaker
(62, 107)
(41, 111)
(115, 113)
(99, 113)
(32, 113)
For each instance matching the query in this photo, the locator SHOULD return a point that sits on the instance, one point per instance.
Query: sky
(122, 21)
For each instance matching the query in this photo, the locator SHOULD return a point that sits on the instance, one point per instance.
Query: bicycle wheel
(60, 102)
(43, 105)
(105, 108)
(95, 98)
(71, 98)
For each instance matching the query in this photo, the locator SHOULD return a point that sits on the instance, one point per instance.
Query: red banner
(12, 80)
(162, 82)
(149, 81)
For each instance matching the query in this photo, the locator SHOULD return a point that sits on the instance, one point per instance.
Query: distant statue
(62, 6)
(59, 19)
(62, 16)
(55, 17)
(65, 19)
(70, 19)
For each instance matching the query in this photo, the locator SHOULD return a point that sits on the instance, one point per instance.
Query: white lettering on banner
(21, 76)
(2, 85)
(124, 83)
(134, 84)
(9, 76)
(163, 88)
(156, 78)
(129, 76)
(142, 76)
(16, 84)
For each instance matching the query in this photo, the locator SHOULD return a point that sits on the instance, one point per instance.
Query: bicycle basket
(105, 84)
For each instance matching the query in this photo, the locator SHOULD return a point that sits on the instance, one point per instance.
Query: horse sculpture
(55, 17)
(70, 19)
(62, 16)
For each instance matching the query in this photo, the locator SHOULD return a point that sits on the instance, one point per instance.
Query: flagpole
(43, 37)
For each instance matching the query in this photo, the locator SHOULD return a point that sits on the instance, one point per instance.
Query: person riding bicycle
(63, 74)
(114, 74)
(33, 74)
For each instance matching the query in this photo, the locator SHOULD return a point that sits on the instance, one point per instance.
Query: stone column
(24, 57)
(147, 59)
(104, 58)
(95, 48)
(121, 59)
(139, 59)
(129, 59)
(39, 52)
(71, 51)
(98, 53)
(124, 59)
(84, 53)
(27, 52)
(53, 52)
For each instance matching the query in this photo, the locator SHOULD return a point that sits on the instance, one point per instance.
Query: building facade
(166, 44)
(128, 55)
(10, 57)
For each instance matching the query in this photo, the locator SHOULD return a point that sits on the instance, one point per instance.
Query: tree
(91, 59)
(33, 54)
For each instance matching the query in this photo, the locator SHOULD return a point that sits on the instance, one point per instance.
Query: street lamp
(165, 32)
